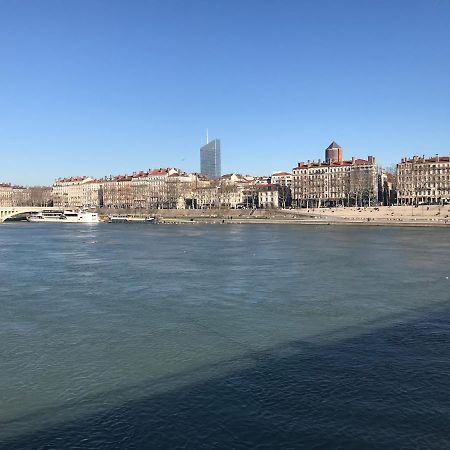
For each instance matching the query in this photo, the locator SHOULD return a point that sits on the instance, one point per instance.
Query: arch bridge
(9, 212)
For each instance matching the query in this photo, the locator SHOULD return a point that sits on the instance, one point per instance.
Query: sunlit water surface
(224, 336)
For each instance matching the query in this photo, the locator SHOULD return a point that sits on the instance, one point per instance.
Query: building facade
(284, 182)
(6, 194)
(77, 192)
(210, 159)
(268, 196)
(335, 181)
(118, 192)
(423, 180)
(11, 195)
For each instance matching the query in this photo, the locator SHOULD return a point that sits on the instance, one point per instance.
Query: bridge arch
(9, 212)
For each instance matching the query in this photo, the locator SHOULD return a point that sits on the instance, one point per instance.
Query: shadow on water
(386, 387)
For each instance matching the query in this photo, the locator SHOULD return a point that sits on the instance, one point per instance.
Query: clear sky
(99, 87)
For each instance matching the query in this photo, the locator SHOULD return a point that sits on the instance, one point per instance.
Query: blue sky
(91, 87)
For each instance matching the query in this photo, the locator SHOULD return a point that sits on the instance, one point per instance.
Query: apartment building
(335, 181)
(284, 182)
(77, 192)
(281, 178)
(11, 195)
(6, 194)
(158, 188)
(423, 180)
(118, 192)
(268, 196)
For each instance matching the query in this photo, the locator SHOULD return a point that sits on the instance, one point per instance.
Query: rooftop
(333, 145)
(423, 159)
(347, 163)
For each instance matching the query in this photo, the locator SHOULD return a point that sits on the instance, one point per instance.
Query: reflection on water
(94, 319)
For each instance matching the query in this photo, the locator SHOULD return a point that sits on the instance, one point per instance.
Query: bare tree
(284, 195)
(361, 186)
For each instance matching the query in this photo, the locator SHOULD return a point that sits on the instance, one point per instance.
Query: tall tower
(334, 153)
(210, 158)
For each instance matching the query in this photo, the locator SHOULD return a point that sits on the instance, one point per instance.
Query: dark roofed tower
(334, 153)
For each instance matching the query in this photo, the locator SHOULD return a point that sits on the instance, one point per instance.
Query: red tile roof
(422, 159)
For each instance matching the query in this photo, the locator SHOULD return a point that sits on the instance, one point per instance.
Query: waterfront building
(154, 188)
(77, 192)
(149, 188)
(179, 189)
(205, 197)
(201, 191)
(118, 192)
(6, 194)
(268, 196)
(20, 196)
(210, 159)
(423, 180)
(11, 195)
(284, 182)
(335, 181)
(281, 178)
(230, 195)
(92, 194)
(236, 190)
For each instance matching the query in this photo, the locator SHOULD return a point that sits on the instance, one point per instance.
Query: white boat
(130, 219)
(64, 216)
(141, 219)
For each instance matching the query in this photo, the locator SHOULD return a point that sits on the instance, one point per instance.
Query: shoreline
(436, 216)
(321, 222)
(394, 216)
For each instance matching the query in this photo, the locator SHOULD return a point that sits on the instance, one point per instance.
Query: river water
(224, 336)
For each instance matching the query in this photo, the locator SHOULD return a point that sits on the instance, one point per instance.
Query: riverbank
(422, 216)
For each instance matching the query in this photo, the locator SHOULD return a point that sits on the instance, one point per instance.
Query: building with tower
(335, 181)
(334, 153)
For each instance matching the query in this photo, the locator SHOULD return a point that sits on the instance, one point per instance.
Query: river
(224, 336)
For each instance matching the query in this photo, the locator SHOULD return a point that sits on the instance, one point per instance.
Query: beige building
(6, 194)
(205, 197)
(236, 191)
(284, 182)
(268, 196)
(179, 189)
(24, 196)
(423, 180)
(118, 192)
(335, 182)
(11, 195)
(282, 179)
(77, 192)
(159, 188)
(230, 196)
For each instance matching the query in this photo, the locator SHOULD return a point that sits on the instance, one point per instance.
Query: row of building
(11, 195)
(360, 182)
(165, 188)
(334, 181)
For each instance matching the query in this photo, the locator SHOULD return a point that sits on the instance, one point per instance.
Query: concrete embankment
(427, 216)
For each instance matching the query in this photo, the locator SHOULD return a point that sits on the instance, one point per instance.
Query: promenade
(382, 215)
(420, 215)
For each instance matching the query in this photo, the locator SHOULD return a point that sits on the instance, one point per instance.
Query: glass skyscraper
(210, 159)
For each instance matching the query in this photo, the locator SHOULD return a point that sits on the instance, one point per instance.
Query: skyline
(101, 87)
(389, 167)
